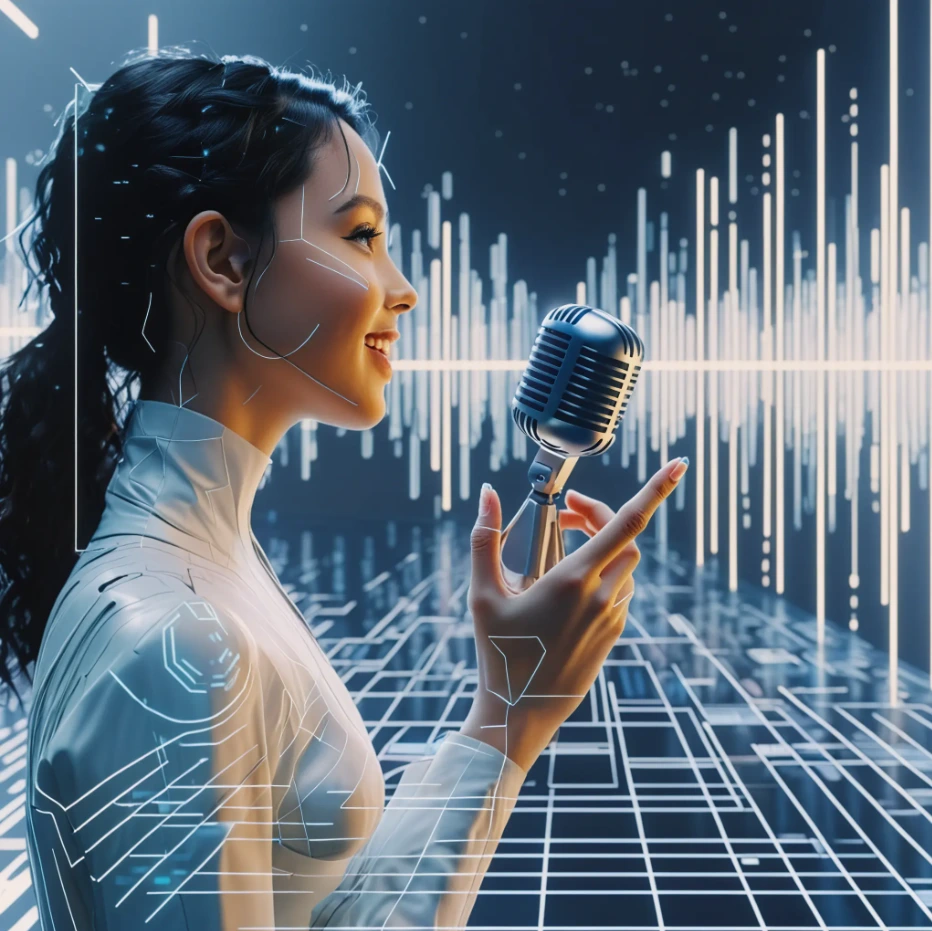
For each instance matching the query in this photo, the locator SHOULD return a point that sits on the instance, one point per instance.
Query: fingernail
(485, 499)
(680, 468)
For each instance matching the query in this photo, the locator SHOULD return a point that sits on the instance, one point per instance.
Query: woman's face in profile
(330, 282)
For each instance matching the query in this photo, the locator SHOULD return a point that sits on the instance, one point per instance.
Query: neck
(258, 418)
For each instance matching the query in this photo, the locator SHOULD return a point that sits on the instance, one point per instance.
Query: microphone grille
(580, 375)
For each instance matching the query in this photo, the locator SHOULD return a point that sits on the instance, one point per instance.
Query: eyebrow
(363, 200)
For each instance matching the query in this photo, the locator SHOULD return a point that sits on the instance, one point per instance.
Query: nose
(401, 297)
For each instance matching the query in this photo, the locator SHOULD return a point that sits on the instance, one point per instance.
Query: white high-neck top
(194, 761)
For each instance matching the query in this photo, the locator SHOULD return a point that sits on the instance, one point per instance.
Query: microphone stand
(532, 543)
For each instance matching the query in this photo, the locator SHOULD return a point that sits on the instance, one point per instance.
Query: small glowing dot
(352, 50)
(668, 17)
(732, 215)
(562, 192)
(766, 140)
(854, 129)
(765, 178)
(796, 173)
(755, 190)
(498, 134)
(781, 78)
(716, 96)
(732, 28)
(671, 87)
(634, 72)
(600, 187)
(563, 175)
(588, 70)
(765, 581)
(518, 86)
(624, 65)
(522, 155)
(845, 118)
(703, 57)
(854, 580)
(609, 108)
(765, 565)
(766, 160)
(853, 93)
(853, 624)
(752, 102)
(672, 137)
(909, 92)
(832, 48)
(409, 105)
(728, 74)
(853, 109)
(664, 103)
(723, 15)
(422, 20)
(807, 33)
(47, 108)
(599, 105)
(709, 127)
(781, 58)
(853, 601)
(766, 546)
(303, 27)
(745, 502)
(658, 69)
(804, 114)
(464, 35)
(795, 192)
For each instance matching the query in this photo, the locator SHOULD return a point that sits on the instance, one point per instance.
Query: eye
(366, 232)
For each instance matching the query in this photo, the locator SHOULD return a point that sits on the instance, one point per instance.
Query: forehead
(344, 166)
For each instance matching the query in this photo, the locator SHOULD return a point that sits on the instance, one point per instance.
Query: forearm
(423, 866)
(518, 734)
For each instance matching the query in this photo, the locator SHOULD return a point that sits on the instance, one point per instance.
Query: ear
(217, 258)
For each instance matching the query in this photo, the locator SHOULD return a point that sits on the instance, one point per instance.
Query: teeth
(380, 344)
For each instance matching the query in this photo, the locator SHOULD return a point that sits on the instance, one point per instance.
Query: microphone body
(571, 397)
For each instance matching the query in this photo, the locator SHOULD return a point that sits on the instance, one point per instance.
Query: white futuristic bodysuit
(194, 761)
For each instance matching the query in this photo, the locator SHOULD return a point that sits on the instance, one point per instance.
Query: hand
(540, 650)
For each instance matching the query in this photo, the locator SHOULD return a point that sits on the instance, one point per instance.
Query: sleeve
(163, 776)
(423, 865)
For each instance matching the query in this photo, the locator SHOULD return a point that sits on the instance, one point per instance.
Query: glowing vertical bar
(446, 431)
(892, 314)
(732, 165)
(153, 34)
(779, 294)
(929, 485)
(820, 342)
(713, 376)
(884, 424)
(700, 375)
(731, 323)
(768, 346)
(436, 350)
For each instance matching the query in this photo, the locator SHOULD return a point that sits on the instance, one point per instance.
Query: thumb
(486, 545)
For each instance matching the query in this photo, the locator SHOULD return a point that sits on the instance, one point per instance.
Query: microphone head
(580, 375)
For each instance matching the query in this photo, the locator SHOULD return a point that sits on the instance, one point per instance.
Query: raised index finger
(629, 520)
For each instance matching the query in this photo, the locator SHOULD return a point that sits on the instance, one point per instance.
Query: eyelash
(366, 232)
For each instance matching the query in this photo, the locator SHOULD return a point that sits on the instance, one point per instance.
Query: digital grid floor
(721, 774)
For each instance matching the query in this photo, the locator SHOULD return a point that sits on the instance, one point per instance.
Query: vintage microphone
(570, 400)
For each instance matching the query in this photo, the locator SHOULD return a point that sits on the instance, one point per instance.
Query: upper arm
(162, 774)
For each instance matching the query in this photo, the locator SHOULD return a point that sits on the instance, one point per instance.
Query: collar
(184, 478)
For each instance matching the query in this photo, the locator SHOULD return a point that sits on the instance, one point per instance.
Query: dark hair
(168, 135)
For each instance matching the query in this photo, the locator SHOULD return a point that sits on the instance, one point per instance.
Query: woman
(194, 761)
